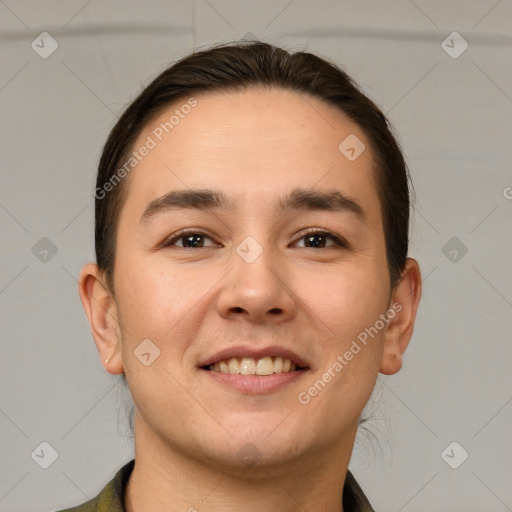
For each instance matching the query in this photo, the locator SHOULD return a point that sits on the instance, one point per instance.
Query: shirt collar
(111, 498)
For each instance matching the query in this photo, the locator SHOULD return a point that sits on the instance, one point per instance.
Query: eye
(319, 240)
(190, 239)
(193, 239)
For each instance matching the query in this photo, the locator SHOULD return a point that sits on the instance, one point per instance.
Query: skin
(255, 146)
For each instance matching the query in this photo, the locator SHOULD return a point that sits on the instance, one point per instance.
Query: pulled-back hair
(233, 67)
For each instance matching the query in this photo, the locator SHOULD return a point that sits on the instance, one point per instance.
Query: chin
(257, 448)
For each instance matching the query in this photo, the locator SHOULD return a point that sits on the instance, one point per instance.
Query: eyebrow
(297, 199)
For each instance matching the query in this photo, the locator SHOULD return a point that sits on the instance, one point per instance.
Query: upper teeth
(250, 366)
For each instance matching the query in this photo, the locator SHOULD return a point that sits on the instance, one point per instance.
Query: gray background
(453, 116)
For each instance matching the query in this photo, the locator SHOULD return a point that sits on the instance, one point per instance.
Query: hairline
(225, 90)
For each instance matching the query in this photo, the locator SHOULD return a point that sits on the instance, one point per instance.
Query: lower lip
(255, 384)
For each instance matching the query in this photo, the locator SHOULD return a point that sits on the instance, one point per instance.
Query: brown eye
(321, 239)
(190, 240)
(315, 240)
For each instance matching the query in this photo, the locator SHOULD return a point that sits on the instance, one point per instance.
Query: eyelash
(340, 242)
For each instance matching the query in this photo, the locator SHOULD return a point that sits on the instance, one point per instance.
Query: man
(251, 282)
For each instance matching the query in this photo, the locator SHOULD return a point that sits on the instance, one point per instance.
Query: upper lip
(246, 351)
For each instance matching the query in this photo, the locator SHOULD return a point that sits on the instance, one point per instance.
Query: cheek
(152, 299)
(162, 301)
(346, 305)
(347, 299)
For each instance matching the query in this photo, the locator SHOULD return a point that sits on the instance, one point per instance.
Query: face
(282, 255)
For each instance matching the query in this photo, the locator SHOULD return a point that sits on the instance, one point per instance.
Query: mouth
(247, 370)
(254, 376)
(262, 366)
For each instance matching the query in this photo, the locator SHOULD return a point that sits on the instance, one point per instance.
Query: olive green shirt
(110, 499)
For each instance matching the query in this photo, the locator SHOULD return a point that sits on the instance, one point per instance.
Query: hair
(233, 67)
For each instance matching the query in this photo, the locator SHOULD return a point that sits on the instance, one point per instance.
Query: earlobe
(101, 311)
(405, 300)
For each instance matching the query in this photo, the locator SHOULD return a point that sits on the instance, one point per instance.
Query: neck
(167, 479)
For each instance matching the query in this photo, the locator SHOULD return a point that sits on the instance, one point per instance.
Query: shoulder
(354, 499)
(90, 506)
(110, 499)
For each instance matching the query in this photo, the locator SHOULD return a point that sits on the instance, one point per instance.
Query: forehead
(253, 142)
(285, 122)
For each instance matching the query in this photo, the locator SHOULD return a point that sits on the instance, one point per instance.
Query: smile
(266, 365)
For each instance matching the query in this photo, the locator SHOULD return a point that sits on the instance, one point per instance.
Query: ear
(101, 310)
(404, 302)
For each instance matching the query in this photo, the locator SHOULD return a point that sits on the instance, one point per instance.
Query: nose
(259, 290)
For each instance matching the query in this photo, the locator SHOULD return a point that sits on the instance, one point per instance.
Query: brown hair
(232, 67)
